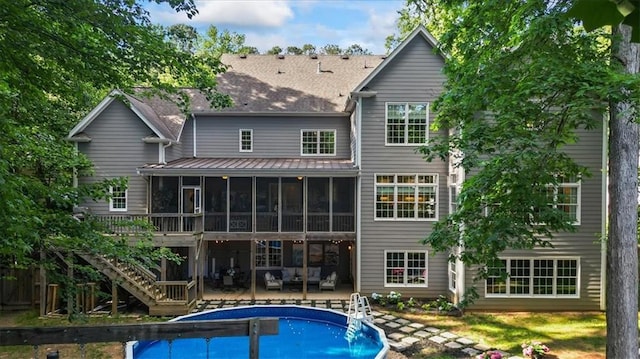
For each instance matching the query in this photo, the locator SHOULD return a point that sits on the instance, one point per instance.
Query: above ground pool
(304, 332)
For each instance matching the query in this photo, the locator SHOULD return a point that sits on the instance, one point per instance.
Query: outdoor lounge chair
(271, 282)
(329, 283)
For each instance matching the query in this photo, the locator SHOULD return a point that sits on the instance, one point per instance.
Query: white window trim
(267, 252)
(395, 218)
(531, 295)
(335, 143)
(578, 186)
(451, 271)
(386, 127)
(240, 139)
(126, 201)
(406, 284)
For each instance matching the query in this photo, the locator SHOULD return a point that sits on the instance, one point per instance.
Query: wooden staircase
(161, 297)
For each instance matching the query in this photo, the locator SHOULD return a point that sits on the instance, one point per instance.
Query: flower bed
(394, 301)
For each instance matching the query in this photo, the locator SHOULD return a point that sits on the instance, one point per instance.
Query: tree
(356, 49)
(622, 255)
(537, 47)
(218, 42)
(308, 49)
(331, 49)
(59, 58)
(294, 50)
(276, 50)
(185, 37)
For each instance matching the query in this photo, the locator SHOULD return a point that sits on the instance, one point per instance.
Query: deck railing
(177, 291)
(171, 223)
(160, 222)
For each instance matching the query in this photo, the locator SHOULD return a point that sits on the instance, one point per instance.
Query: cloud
(263, 13)
(222, 13)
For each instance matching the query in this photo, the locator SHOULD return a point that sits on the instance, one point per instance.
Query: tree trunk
(622, 246)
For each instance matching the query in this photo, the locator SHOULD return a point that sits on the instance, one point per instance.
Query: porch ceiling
(253, 166)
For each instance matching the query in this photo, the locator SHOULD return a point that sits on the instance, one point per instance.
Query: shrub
(534, 349)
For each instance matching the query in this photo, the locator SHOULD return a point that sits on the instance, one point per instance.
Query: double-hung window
(540, 277)
(565, 196)
(318, 142)
(405, 269)
(269, 254)
(453, 275)
(118, 199)
(406, 197)
(407, 123)
(246, 140)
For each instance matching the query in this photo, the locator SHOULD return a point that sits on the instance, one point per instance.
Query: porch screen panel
(240, 202)
(318, 204)
(343, 204)
(215, 204)
(164, 194)
(267, 204)
(292, 219)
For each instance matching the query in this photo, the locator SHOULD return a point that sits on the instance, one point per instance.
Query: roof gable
(418, 31)
(142, 110)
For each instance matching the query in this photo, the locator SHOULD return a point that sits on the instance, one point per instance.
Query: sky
(269, 23)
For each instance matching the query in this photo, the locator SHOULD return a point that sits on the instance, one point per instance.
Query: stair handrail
(152, 294)
(139, 269)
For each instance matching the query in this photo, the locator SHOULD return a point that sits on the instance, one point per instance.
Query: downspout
(358, 194)
(195, 152)
(163, 152)
(603, 221)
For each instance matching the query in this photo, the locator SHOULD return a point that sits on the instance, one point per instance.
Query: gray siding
(174, 152)
(186, 139)
(584, 243)
(414, 75)
(116, 150)
(272, 136)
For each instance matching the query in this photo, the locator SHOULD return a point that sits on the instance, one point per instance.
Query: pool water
(303, 333)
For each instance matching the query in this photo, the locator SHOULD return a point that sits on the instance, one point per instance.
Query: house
(314, 168)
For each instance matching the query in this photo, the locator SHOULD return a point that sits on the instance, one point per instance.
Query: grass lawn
(569, 335)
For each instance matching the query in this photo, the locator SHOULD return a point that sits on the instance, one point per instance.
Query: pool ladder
(359, 310)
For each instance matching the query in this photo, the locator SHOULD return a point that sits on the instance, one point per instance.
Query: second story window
(565, 196)
(407, 123)
(406, 197)
(318, 142)
(246, 140)
(118, 201)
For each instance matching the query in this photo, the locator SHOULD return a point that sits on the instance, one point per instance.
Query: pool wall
(280, 311)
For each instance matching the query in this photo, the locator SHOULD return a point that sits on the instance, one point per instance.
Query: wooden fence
(122, 333)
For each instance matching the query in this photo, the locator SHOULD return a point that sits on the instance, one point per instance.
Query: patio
(289, 292)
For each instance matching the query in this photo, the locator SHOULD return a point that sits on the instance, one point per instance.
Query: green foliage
(331, 49)
(218, 42)
(356, 49)
(276, 50)
(600, 13)
(294, 50)
(59, 58)
(520, 86)
(441, 304)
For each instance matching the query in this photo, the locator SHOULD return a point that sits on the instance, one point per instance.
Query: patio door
(191, 204)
